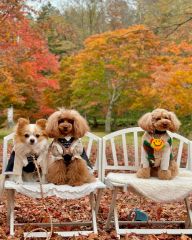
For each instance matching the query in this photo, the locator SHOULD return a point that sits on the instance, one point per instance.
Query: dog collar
(65, 142)
(156, 132)
(159, 132)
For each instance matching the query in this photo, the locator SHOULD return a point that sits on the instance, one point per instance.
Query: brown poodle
(67, 160)
(156, 152)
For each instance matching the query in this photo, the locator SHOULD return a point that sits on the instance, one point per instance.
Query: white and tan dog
(30, 143)
(156, 151)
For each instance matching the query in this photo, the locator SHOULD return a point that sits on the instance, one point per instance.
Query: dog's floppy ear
(175, 123)
(41, 123)
(145, 122)
(22, 122)
(80, 125)
(52, 129)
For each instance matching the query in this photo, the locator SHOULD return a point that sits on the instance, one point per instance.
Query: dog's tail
(2, 183)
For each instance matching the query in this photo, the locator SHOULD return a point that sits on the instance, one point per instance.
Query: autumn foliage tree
(61, 37)
(62, 97)
(173, 76)
(170, 84)
(116, 72)
(111, 65)
(25, 61)
(127, 70)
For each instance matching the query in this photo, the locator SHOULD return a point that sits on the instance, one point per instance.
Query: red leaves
(25, 57)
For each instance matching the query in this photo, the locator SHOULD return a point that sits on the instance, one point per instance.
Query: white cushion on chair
(154, 188)
(62, 191)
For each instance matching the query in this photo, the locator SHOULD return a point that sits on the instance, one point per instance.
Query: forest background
(112, 60)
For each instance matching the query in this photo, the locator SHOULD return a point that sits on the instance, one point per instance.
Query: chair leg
(188, 223)
(98, 200)
(93, 207)
(112, 206)
(10, 207)
(116, 221)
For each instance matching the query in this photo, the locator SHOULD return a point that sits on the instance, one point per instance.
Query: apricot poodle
(67, 160)
(156, 153)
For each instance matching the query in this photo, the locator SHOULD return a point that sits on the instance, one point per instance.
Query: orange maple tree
(110, 68)
(170, 84)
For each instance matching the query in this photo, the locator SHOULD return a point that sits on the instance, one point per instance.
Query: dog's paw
(174, 169)
(164, 174)
(143, 173)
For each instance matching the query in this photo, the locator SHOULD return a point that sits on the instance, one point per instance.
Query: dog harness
(155, 144)
(29, 168)
(67, 153)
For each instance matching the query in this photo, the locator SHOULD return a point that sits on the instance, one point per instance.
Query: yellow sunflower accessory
(157, 143)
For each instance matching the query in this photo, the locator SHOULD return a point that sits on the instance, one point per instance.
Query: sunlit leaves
(24, 59)
(173, 77)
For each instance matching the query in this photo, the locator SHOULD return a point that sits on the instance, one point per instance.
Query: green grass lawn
(4, 132)
(99, 134)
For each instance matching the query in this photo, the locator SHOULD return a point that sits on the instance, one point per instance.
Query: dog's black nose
(65, 128)
(32, 141)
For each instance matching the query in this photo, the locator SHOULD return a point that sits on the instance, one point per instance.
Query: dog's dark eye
(37, 135)
(61, 121)
(166, 118)
(157, 119)
(26, 135)
(71, 121)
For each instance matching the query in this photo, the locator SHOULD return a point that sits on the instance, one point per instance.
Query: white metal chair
(113, 164)
(62, 191)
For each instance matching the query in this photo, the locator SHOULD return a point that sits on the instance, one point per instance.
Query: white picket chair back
(93, 147)
(183, 141)
(122, 152)
(119, 139)
(6, 140)
(92, 141)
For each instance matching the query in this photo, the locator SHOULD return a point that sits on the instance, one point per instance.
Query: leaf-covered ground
(31, 210)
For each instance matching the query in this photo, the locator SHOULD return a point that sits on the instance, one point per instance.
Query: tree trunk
(95, 123)
(113, 98)
(108, 119)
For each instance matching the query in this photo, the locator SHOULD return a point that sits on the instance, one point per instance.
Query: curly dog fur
(156, 124)
(65, 124)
